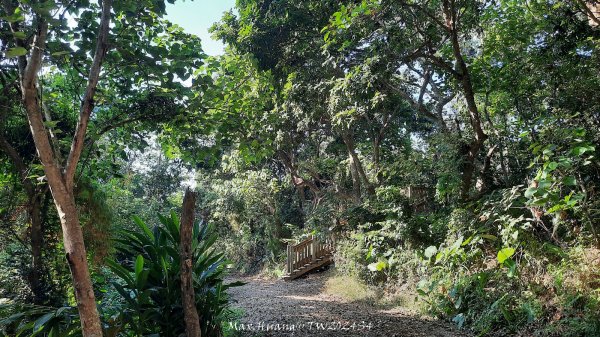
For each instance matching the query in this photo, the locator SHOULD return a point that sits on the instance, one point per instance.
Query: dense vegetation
(449, 145)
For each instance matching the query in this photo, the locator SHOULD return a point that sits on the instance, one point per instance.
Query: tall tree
(60, 177)
(39, 36)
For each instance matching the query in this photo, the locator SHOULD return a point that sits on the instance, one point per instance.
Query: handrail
(307, 251)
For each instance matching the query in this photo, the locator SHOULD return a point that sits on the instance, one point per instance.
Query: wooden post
(289, 258)
(305, 252)
(313, 248)
(190, 313)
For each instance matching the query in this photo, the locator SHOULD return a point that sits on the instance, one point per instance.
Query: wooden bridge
(308, 255)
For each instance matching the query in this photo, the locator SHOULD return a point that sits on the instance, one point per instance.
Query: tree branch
(592, 16)
(35, 60)
(32, 106)
(87, 105)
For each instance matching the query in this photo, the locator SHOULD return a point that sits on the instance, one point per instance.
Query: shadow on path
(301, 308)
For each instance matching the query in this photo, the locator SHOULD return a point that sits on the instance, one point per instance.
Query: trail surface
(302, 308)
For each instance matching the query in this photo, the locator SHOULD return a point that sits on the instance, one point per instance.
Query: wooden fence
(308, 252)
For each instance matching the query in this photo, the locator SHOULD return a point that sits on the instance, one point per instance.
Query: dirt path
(301, 308)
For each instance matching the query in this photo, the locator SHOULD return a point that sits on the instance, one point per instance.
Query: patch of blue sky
(196, 17)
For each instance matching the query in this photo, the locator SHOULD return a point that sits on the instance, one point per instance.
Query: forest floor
(303, 308)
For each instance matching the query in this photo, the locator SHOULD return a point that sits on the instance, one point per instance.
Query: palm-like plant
(36, 320)
(149, 280)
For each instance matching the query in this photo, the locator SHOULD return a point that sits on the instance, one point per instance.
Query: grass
(273, 271)
(404, 298)
(350, 289)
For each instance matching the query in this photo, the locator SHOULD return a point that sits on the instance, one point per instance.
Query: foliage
(450, 146)
(386, 108)
(149, 283)
(251, 209)
(146, 284)
(32, 320)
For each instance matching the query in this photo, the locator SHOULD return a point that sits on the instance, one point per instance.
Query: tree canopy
(450, 146)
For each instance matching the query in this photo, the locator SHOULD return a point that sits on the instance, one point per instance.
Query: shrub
(149, 280)
(35, 320)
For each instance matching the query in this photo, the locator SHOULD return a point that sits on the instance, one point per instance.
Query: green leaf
(430, 251)
(139, 265)
(489, 237)
(439, 256)
(505, 253)
(15, 17)
(512, 268)
(458, 302)
(377, 266)
(16, 51)
(467, 241)
(120, 271)
(530, 192)
(50, 124)
(369, 252)
(543, 184)
(569, 181)
(39, 323)
(142, 225)
(59, 53)
(19, 35)
(579, 150)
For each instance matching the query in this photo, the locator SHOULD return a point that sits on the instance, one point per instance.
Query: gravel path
(301, 308)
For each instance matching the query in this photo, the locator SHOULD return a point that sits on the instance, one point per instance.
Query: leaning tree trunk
(451, 16)
(77, 258)
(188, 297)
(355, 161)
(69, 218)
(60, 179)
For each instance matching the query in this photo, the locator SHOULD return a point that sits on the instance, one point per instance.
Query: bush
(497, 273)
(33, 320)
(146, 279)
(149, 280)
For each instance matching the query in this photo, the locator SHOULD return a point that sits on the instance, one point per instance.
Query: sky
(197, 16)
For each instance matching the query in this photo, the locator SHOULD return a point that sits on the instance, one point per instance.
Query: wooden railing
(307, 252)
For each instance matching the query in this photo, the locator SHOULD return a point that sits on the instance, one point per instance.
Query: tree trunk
(61, 179)
(69, 218)
(188, 297)
(34, 214)
(357, 163)
(356, 185)
(469, 170)
(464, 77)
(377, 158)
(77, 258)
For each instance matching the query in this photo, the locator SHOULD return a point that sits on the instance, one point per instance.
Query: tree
(60, 178)
(44, 24)
(430, 48)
